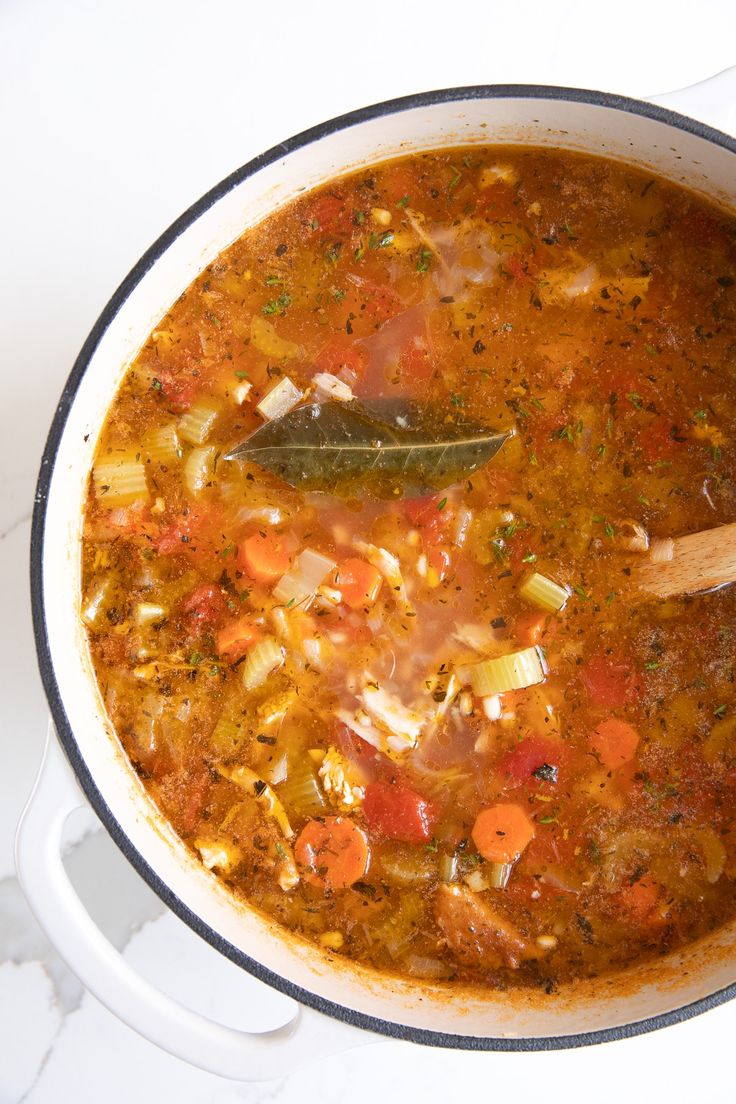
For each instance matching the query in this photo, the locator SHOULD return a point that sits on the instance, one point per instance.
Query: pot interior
(597, 125)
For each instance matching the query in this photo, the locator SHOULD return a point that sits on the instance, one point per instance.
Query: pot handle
(713, 101)
(239, 1055)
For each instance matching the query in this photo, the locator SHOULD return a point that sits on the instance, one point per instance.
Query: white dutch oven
(339, 1004)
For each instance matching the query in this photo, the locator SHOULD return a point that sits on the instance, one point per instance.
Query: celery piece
(544, 593)
(263, 658)
(199, 421)
(510, 672)
(121, 481)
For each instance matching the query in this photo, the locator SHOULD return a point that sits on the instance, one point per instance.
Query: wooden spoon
(700, 561)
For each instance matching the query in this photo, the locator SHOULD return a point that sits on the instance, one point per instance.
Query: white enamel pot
(339, 1004)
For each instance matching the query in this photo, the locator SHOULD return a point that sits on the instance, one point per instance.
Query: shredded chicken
(389, 567)
(339, 782)
(476, 933)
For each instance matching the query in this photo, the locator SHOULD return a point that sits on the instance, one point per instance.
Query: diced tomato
(519, 764)
(381, 301)
(330, 214)
(615, 742)
(397, 812)
(264, 557)
(522, 546)
(535, 628)
(370, 762)
(179, 388)
(609, 680)
(424, 514)
(415, 363)
(358, 583)
(399, 183)
(195, 532)
(206, 605)
(640, 901)
(337, 355)
(659, 440)
(515, 266)
(234, 639)
(196, 790)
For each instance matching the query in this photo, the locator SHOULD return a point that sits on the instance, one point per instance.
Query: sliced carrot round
(264, 557)
(615, 742)
(502, 832)
(333, 852)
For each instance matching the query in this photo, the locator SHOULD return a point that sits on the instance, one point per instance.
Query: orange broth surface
(338, 758)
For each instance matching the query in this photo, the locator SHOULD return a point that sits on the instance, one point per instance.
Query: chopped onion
(328, 386)
(462, 525)
(404, 725)
(582, 282)
(492, 707)
(280, 400)
(448, 867)
(148, 613)
(249, 781)
(422, 967)
(481, 638)
(632, 536)
(299, 585)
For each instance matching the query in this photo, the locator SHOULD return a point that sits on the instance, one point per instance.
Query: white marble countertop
(115, 116)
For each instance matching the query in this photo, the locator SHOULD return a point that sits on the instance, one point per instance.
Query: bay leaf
(384, 448)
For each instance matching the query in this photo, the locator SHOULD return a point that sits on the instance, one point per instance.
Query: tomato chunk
(398, 812)
(608, 680)
(530, 755)
(205, 605)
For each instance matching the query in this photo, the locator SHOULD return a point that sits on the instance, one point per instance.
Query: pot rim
(48, 676)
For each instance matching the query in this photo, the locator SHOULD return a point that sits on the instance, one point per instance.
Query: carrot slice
(235, 639)
(615, 742)
(502, 832)
(333, 852)
(263, 557)
(358, 582)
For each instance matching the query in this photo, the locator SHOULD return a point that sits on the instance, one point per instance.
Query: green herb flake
(457, 400)
(441, 505)
(272, 280)
(277, 306)
(195, 659)
(651, 350)
(651, 665)
(403, 202)
(156, 384)
(424, 260)
(635, 400)
(701, 415)
(720, 711)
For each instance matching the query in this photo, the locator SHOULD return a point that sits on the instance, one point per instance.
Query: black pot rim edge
(357, 1019)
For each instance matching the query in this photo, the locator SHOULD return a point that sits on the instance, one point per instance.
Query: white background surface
(114, 117)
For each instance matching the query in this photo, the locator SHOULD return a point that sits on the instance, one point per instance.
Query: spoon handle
(700, 561)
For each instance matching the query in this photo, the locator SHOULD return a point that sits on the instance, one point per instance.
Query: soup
(360, 561)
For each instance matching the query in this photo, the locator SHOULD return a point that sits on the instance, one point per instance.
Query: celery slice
(510, 672)
(544, 593)
(120, 481)
(263, 658)
(199, 421)
(300, 790)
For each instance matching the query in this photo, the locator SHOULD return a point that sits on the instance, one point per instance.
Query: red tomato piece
(206, 605)
(397, 812)
(235, 639)
(608, 680)
(179, 388)
(330, 214)
(424, 514)
(336, 356)
(520, 763)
